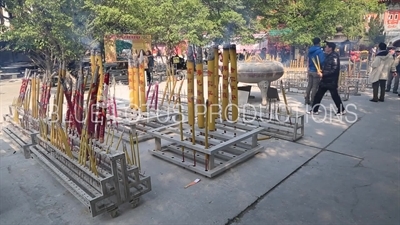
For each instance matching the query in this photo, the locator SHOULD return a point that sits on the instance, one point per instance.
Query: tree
(171, 21)
(167, 21)
(233, 19)
(316, 18)
(375, 31)
(48, 31)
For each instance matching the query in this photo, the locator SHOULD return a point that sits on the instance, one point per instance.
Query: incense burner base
(228, 146)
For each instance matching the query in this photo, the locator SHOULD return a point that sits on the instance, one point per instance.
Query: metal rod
(206, 135)
(181, 128)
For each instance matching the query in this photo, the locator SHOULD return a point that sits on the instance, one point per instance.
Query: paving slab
(43, 201)
(355, 181)
(168, 202)
(331, 189)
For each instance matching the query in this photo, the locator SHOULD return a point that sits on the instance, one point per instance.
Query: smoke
(90, 43)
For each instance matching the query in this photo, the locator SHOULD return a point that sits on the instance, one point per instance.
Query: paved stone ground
(339, 173)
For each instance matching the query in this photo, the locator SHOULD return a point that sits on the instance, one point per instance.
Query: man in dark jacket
(329, 82)
(315, 52)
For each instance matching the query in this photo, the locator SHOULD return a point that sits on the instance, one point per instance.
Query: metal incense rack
(100, 167)
(206, 143)
(275, 121)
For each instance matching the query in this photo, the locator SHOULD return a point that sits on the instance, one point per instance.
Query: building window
(396, 16)
(390, 16)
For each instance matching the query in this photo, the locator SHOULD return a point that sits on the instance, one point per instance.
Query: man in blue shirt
(314, 53)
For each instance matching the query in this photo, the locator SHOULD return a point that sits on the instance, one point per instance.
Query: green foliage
(167, 21)
(232, 19)
(375, 32)
(317, 18)
(171, 21)
(47, 30)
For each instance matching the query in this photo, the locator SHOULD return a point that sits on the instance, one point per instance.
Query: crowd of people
(385, 69)
(323, 76)
(324, 72)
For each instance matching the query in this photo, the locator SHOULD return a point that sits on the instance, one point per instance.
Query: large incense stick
(234, 83)
(225, 82)
(200, 88)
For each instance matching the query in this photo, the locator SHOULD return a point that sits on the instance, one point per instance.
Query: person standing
(263, 54)
(313, 77)
(150, 66)
(329, 82)
(395, 73)
(381, 66)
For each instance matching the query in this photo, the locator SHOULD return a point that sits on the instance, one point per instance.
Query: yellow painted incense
(234, 83)
(210, 83)
(190, 86)
(179, 92)
(124, 149)
(200, 89)
(93, 62)
(132, 143)
(131, 84)
(216, 83)
(64, 139)
(136, 86)
(119, 140)
(112, 139)
(284, 98)
(33, 88)
(28, 100)
(316, 64)
(173, 90)
(142, 79)
(108, 134)
(99, 63)
(225, 82)
(165, 90)
(16, 113)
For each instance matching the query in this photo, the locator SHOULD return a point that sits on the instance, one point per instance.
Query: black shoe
(381, 100)
(387, 90)
(341, 113)
(395, 92)
(373, 100)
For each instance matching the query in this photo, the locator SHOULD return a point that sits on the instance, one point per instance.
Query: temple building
(391, 21)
